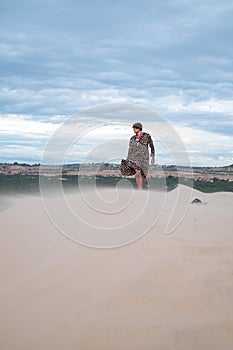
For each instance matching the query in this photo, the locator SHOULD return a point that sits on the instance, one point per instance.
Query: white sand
(161, 292)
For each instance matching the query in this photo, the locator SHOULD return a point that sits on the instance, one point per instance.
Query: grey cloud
(59, 57)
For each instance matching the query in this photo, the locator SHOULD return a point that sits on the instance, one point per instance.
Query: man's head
(137, 127)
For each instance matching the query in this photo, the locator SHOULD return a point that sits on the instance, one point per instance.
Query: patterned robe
(138, 155)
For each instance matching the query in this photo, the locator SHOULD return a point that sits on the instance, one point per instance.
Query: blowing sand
(161, 292)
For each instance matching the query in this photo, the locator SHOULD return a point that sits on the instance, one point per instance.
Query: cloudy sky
(173, 57)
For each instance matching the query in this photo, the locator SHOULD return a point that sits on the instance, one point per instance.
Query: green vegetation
(19, 183)
(30, 183)
(216, 186)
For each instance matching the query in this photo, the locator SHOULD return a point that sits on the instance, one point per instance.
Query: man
(137, 161)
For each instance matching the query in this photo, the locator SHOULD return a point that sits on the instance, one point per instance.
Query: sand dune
(163, 291)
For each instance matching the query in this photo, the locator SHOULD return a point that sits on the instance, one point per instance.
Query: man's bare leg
(143, 180)
(139, 179)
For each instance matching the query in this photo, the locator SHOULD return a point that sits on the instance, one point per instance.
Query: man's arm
(152, 154)
(151, 144)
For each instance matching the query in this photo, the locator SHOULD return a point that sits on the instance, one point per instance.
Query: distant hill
(22, 177)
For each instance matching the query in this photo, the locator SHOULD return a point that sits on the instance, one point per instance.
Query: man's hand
(153, 160)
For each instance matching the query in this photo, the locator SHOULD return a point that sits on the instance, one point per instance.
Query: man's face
(136, 130)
